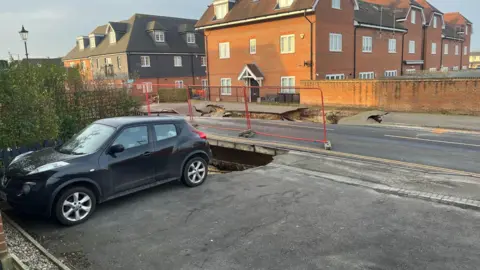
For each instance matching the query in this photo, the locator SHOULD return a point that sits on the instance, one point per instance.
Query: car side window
(165, 131)
(133, 137)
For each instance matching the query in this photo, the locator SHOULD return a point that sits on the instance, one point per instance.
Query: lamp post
(24, 35)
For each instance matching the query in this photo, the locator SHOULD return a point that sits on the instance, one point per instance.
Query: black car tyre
(195, 172)
(75, 205)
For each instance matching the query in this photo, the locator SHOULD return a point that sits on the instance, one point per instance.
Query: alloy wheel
(77, 206)
(196, 172)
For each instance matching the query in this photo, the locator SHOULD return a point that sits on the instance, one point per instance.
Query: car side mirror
(117, 148)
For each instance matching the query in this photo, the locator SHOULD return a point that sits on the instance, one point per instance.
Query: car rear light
(201, 134)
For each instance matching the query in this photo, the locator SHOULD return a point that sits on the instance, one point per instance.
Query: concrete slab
(269, 218)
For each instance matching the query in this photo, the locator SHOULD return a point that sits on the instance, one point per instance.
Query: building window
(97, 63)
(392, 45)
(287, 84)
(221, 11)
(411, 46)
(410, 71)
(204, 83)
(335, 76)
(284, 3)
(108, 61)
(112, 37)
(444, 69)
(119, 62)
(455, 68)
(433, 70)
(159, 36)
(147, 87)
(224, 50)
(81, 46)
(177, 61)
(145, 61)
(92, 42)
(226, 86)
(445, 49)
(253, 46)
(287, 44)
(464, 67)
(413, 16)
(466, 29)
(366, 75)
(367, 44)
(203, 60)
(191, 38)
(434, 21)
(465, 50)
(178, 84)
(390, 73)
(434, 48)
(335, 42)
(457, 50)
(336, 4)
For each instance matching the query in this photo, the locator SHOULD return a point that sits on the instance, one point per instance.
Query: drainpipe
(424, 46)
(461, 56)
(441, 55)
(355, 52)
(208, 66)
(311, 43)
(193, 69)
(403, 53)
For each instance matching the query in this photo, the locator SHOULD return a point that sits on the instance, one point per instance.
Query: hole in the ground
(228, 159)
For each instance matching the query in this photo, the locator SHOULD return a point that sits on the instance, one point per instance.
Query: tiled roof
(456, 18)
(378, 15)
(136, 38)
(247, 9)
(428, 9)
(401, 6)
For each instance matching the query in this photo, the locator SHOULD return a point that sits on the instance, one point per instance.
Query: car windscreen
(87, 141)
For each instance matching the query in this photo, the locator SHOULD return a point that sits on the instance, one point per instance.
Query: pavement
(461, 122)
(274, 217)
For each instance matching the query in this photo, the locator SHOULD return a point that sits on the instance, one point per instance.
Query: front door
(134, 166)
(254, 90)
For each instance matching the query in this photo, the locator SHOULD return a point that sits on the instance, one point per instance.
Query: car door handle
(146, 154)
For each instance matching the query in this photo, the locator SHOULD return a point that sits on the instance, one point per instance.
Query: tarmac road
(434, 147)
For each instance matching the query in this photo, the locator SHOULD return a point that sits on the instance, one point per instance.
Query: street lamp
(24, 35)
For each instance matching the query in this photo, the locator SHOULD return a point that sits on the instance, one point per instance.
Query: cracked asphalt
(266, 218)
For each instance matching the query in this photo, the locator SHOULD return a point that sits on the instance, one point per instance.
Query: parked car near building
(108, 159)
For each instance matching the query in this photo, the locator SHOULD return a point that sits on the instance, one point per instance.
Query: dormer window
(111, 37)
(284, 3)
(92, 42)
(221, 11)
(159, 36)
(81, 44)
(190, 38)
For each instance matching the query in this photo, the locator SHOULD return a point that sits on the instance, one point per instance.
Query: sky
(53, 25)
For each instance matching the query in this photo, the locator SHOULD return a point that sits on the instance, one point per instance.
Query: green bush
(172, 95)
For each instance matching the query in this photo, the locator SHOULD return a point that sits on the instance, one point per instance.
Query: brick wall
(433, 35)
(451, 60)
(456, 96)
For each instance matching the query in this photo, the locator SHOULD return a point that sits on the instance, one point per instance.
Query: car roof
(128, 120)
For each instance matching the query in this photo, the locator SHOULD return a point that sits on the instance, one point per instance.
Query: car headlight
(20, 156)
(50, 166)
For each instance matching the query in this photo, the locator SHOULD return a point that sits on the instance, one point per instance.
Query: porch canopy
(251, 71)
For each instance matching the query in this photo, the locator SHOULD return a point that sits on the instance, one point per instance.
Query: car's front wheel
(75, 205)
(195, 172)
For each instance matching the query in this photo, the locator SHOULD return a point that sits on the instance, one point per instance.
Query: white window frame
(465, 50)
(390, 73)
(177, 61)
(284, 3)
(226, 86)
(434, 21)
(413, 16)
(289, 47)
(112, 37)
(367, 44)
(145, 61)
(445, 49)
(466, 30)
(432, 70)
(191, 38)
(81, 44)
(411, 46)
(92, 42)
(457, 49)
(179, 84)
(335, 42)
(335, 76)
(289, 87)
(456, 68)
(464, 67)
(119, 62)
(392, 45)
(204, 83)
(336, 4)
(221, 11)
(366, 75)
(444, 69)
(203, 60)
(147, 87)
(434, 48)
(253, 46)
(225, 48)
(159, 36)
(410, 71)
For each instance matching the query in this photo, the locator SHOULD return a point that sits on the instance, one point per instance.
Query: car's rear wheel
(195, 172)
(75, 205)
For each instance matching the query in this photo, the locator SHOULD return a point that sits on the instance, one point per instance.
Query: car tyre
(75, 205)
(195, 172)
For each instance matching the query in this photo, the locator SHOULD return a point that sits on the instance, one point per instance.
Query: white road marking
(428, 140)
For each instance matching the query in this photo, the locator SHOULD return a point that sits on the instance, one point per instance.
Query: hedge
(172, 95)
